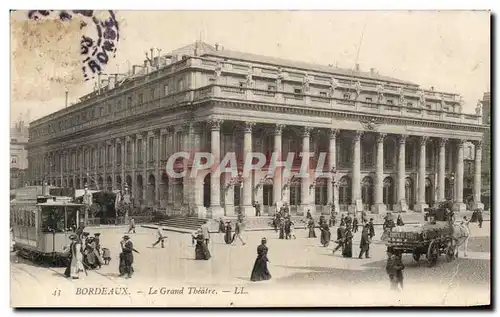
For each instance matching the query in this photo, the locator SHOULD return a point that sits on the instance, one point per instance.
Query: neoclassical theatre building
(390, 144)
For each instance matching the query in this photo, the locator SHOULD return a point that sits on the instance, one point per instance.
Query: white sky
(448, 50)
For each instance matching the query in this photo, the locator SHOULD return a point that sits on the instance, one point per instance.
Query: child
(292, 230)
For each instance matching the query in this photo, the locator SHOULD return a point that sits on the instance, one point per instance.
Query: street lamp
(452, 185)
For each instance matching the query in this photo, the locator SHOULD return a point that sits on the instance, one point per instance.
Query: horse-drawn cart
(432, 238)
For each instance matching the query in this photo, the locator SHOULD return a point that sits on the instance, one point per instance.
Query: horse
(460, 236)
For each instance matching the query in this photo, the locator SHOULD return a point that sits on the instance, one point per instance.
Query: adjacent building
(390, 144)
(18, 154)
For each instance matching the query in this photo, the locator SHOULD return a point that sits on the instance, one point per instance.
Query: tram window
(71, 217)
(52, 219)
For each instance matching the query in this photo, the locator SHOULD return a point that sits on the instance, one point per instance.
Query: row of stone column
(332, 193)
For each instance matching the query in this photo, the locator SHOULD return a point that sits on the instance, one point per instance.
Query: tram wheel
(433, 253)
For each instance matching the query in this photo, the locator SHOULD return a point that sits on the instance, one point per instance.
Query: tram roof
(60, 203)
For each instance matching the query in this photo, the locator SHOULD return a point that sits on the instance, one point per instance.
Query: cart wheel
(416, 256)
(450, 250)
(433, 253)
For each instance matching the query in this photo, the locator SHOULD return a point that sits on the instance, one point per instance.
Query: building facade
(486, 155)
(390, 144)
(18, 154)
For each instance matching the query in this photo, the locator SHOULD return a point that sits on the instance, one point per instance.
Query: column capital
(278, 129)
(144, 134)
(215, 124)
(423, 140)
(461, 142)
(402, 138)
(358, 135)
(333, 133)
(478, 144)
(442, 142)
(306, 132)
(249, 127)
(381, 137)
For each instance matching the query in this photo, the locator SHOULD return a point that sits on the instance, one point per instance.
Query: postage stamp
(276, 159)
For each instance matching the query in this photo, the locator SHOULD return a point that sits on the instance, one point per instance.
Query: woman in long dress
(325, 234)
(310, 225)
(347, 251)
(201, 250)
(282, 228)
(75, 265)
(228, 234)
(260, 271)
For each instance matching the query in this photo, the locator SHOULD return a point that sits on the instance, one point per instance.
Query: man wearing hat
(126, 257)
(365, 242)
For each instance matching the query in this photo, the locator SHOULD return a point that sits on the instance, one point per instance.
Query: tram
(41, 224)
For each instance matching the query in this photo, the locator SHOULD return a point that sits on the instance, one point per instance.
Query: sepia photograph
(185, 159)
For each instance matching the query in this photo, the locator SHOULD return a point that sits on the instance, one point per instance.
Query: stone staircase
(188, 223)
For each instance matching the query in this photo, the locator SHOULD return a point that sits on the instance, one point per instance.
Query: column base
(459, 207)
(302, 210)
(478, 206)
(230, 212)
(401, 207)
(248, 211)
(378, 208)
(215, 212)
(420, 207)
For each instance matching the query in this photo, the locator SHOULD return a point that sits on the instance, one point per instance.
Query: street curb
(186, 231)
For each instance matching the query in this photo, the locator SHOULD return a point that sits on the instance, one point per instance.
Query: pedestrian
(205, 230)
(312, 231)
(79, 231)
(340, 238)
(237, 231)
(347, 253)
(222, 227)
(292, 230)
(159, 235)
(126, 257)
(355, 225)
(282, 228)
(480, 217)
(365, 242)
(400, 222)
(325, 234)
(201, 251)
(260, 272)
(308, 215)
(394, 269)
(321, 220)
(131, 226)
(348, 221)
(98, 261)
(372, 228)
(257, 209)
(75, 263)
(228, 233)
(287, 228)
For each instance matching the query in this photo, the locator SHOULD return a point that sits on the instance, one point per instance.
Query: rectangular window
(297, 91)
(108, 153)
(181, 84)
(129, 152)
(164, 146)
(368, 99)
(119, 105)
(140, 99)
(165, 90)
(390, 102)
(139, 150)
(152, 93)
(101, 112)
(271, 87)
(323, 93)
(151, 149)
(110, 109)
(129, 101)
